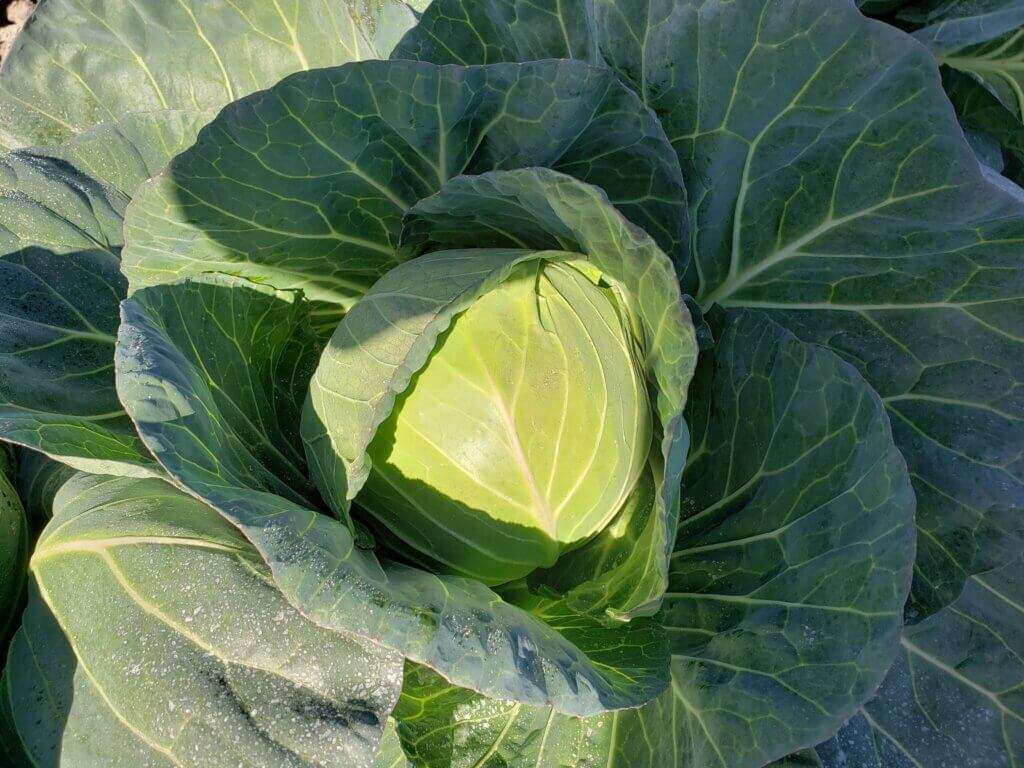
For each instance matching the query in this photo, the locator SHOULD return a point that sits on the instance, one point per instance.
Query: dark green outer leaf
(76, 64)
(491, 31)
(794, 553)
(162, 641)
(981, 45)
(953, 698)
(11, 749)
(985, 148)
(38, 480)
(249, 350)
(13, 551)
(305, 185)
(984, 42)
(59, 289)
(183, 406)
(806, 758)
(881, 7)
(73, 67)
(60, 285)
(839, 196)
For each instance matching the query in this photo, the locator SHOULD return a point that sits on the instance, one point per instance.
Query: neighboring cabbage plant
(499, 383)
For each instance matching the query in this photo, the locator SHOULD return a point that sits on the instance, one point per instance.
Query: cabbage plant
(500, 383)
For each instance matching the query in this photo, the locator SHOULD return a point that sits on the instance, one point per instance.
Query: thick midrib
(545, 517)
(743, 276)
(961, 678)
(99, 546)
(541, 506)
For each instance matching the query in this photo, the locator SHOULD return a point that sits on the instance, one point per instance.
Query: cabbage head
(524, 433)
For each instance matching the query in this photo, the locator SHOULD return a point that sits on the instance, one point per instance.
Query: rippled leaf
(61, 281)
(248, 352)
(155, 637)
(488, 31)
(305, 185)
(904, 262)
(78, 76)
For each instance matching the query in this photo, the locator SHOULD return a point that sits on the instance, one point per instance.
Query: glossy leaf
(155, 637)
(183, 406)
(840, 197)
(78, 64)
(953, 696)
(305, 185)
(248, 351)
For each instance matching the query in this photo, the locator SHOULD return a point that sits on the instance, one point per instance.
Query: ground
(14, 15)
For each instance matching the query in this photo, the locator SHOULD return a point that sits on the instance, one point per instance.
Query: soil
(14, 15)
